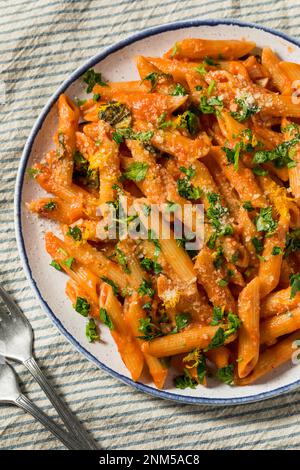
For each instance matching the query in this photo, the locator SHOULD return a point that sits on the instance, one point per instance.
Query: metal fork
(10, 393)
(16, 338)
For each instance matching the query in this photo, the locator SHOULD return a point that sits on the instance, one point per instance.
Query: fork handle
(71, 422)
(67, 439)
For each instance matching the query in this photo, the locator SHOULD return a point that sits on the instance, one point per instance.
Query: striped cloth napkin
(41, 43)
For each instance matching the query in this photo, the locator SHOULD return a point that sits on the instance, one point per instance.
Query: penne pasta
(248, 310)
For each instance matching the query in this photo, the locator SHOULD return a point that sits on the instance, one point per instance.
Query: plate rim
(18, 202)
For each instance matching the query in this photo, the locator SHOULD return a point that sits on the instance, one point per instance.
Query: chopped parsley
(292, 242)
(179, 90)
(218, 314)
(295, 284)
(245, 109)
(33, 172)
(122, 260)
(201, 369)
(75, 233)
(234, 323)
(185, 380)
(127, 133)
(55, 265)
(79, 102)
(225, 374)
(233, 155)
(162, 122)
(258, 171)
(201, 69)
(83, 173)
(246, 144)
(189, 121)
(258, 245)
(68, 262)
(185, 187)
(219, 258)
(212, 105)
(82, 306)
(147, 306)
(91, 78)
(151, 266)
(281, 156)
(105, 318)
(182, 320)
(136, 171)
(222, 282)
(248, 206)
(96, 96)
(220, 336)
(210, 61)
(91, 331)
(217, 340)
(211, 87)
(50, 206)
(216, 212)
(149, 329)
(146, 288)
(265, 222)
(277, 251)
(154, 78)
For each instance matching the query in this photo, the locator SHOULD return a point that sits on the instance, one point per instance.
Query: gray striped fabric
(41, 43)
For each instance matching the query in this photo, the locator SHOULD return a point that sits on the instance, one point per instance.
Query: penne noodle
(271, 358)
(126, 343)
(279, 325)
(192, 337)
(248, 310)
(194, 49)
(271, 62)
(279, 302)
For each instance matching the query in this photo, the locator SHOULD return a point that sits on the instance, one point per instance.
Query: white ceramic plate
(116, 63)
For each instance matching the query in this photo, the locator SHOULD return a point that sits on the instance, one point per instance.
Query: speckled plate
(116, 63)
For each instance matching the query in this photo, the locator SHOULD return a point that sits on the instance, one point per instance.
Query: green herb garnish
(151, 266)
(179, 90)
(225, 374)
(245, 109)
(82, 306)
(146, 288)
(55, 265)
(91, 331)
(50, 206)
(75, 233)
(295, 284)
(91, 78)
(265, 222)
(136, 171)
(105, 318)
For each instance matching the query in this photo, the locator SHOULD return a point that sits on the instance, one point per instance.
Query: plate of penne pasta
(158, 211)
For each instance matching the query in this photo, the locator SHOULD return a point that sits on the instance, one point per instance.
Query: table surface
(40, 44)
